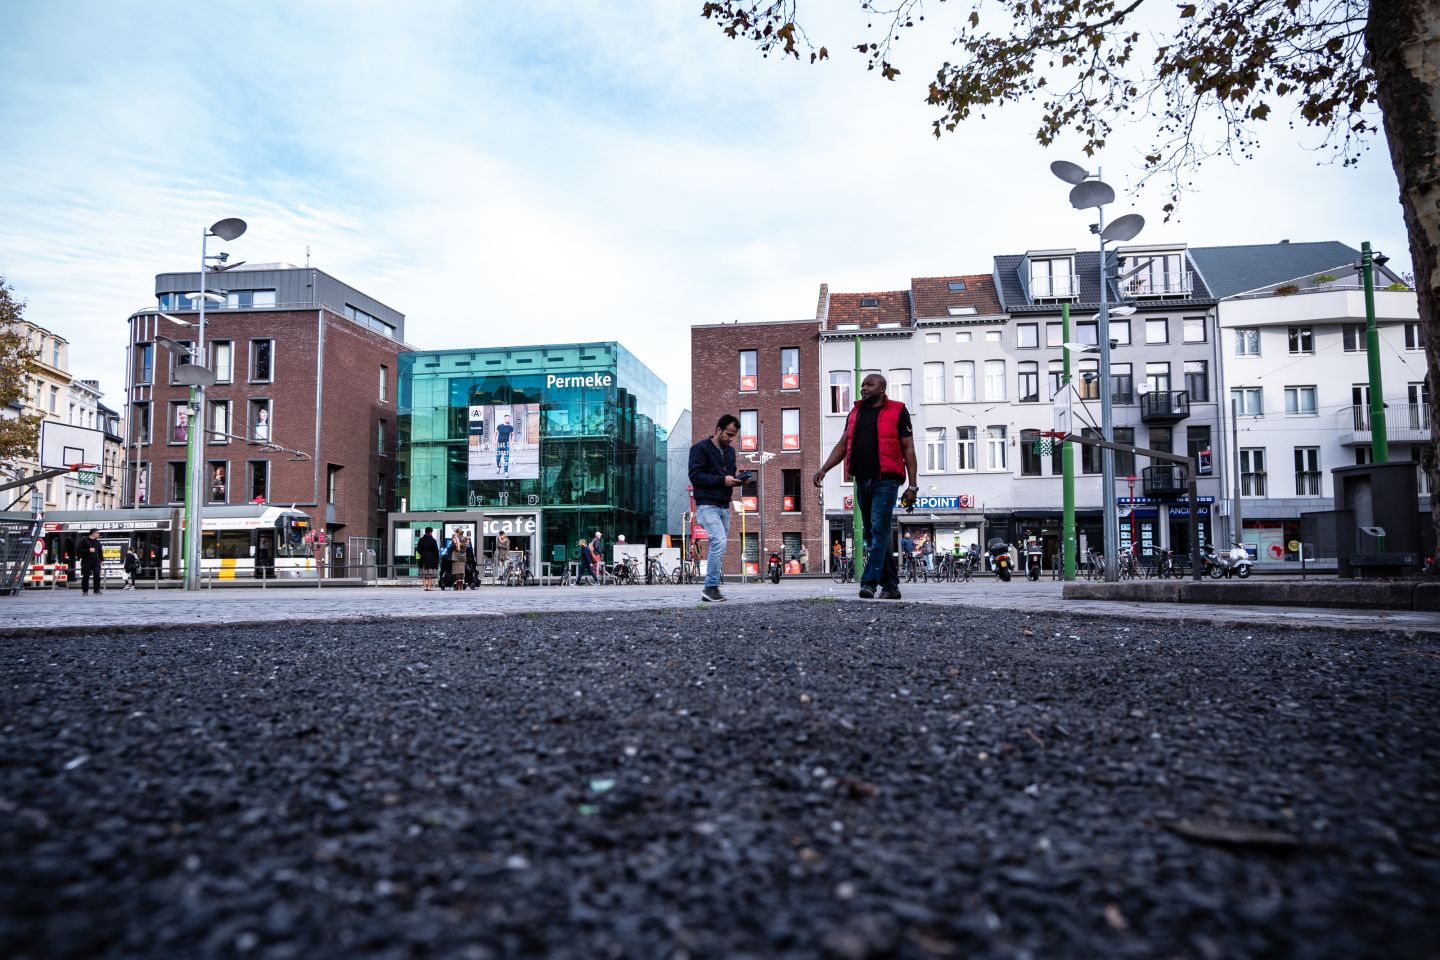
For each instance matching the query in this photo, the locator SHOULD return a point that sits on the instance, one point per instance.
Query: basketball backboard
(63, 444)
(1063, 406)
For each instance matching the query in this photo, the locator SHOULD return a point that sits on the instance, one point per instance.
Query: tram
(236, 542)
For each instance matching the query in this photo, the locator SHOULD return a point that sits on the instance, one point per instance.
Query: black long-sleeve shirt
(709, 466)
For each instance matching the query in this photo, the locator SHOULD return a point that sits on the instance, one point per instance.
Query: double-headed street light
(1090, 191)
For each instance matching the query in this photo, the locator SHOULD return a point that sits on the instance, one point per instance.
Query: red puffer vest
(887, 426)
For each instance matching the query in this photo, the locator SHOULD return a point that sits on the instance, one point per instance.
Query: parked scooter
(999, 552)
(1235, 561)
(773, 569)
(1033, 556)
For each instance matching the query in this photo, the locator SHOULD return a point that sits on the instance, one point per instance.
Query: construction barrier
(47, 574)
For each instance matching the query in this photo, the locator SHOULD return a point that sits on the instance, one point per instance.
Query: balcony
(1062, 287)
(1307, 483)
(1252, 484)
(1404, 423)
(1165, 406)
(1164, 286)
(1165, 480)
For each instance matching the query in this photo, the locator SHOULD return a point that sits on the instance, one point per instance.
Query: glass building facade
(547, 443)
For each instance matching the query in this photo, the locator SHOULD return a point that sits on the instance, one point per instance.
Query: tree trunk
(1403, 38)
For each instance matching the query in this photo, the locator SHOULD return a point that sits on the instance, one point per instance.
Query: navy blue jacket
(709, 466)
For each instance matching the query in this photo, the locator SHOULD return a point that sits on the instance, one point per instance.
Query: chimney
(822, 308)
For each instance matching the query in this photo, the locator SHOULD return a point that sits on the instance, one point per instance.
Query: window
(1300, 401)
(145, 363)
(935, 450)
(259, 420)
(177, 476)
(1157, 376)
(840, 391)
(1029, 459)
(72, 413)
(1247, 341)
(791, 490)
(965, 449)
(994, 379)
(1193, 329)
(54, 399)
(1087, 384)
(963, 336)
(992, 336)
(219, 421)
(1055, 374)
(957, 285)
(1087, 332)
(1027, 335)
(1124, 459)
(964, 381)
(1028, 381)
(55, 353)
(1154, 274)
(1302, 339)
(1360, 396)
(1248, 401)
(1122, 383)
(217, 481)
(332, 482)
(1414, 337)
(1051, 278)
(749, 438)
(1197, 438)
(178, 360)
(384, 383)
(749, 371)
(790, 368)
(1252, 471)
(899, 386)
(262, 298)
(1089, 455)
(245, 299)
(179, 421)
(140, 420)
(1162, 439)
(1120, 331)
(260, 361)
(1157, 330)
(1352, 335)
(1054, 334)
(790, 429)
(221, 352)
(934, 383)
(1197, 380)
(1307, 471)
(995, 449)
(932, 338)
(380, 447)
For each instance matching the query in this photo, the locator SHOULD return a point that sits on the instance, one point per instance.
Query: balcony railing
(1252, 484)
(1164, 406)
(1166, 480)
(1307, 483)
(1165, 285)
(1053, 288)
(1404, 423)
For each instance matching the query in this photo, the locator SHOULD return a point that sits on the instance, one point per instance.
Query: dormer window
(962, 311)
(869, 301)
(956, 286)
(1052, 277)
(1154, 273)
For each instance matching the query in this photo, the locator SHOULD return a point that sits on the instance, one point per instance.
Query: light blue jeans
(716, 521)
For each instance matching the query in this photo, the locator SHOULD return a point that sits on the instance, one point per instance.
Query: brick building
(765, 373)
(303, 407)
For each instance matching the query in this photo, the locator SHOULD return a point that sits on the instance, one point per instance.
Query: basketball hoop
(1047, 440)
(85, 473)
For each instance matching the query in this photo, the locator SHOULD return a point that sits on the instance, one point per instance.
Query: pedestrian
(91, 553)
(927, 550)
(586, 568)
(713, 478)
(458, 565)
(804, 559)
(502, 547)
(597, 548)
(907, 544)
(428, 553)
(132, 567)
(878, 448)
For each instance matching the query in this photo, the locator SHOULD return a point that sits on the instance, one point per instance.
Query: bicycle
(1094, 566)
(625, 571)
(911, 569)
(514, 574)
(687, 572)
(655, 571)
(844, 571)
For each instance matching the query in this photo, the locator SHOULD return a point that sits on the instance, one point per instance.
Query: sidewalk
(67, 611)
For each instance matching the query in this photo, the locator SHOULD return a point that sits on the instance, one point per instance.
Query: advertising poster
(505, 441)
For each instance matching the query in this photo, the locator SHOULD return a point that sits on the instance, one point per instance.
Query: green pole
(1067, 461)
(859, 523)
(1379, 443)
(192, 459)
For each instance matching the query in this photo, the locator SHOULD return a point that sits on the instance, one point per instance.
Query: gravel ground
(812, 779)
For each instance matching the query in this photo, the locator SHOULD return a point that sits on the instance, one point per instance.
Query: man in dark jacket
(427, 551)
(713, 481)
(91, 553)
(878, 448)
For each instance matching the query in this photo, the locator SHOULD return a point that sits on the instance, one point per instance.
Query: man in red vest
(879, 452)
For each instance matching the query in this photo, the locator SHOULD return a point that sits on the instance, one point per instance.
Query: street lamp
(198, 379)
(1090, 191)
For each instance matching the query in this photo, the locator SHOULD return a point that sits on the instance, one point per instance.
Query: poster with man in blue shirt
(514, 429)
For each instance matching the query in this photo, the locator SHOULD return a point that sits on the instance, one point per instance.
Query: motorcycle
(772, 570)
(1033, 556)
(999, 552)
(1235, 561)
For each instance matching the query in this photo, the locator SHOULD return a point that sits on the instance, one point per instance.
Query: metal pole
(195, 449)
(1195, 571)
(1068, 544)
(857, 521)
(1237, 525)
(1107, 428)
(1379, 441)
(760, 442)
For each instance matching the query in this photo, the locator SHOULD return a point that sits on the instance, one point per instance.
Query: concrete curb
(1339, 594)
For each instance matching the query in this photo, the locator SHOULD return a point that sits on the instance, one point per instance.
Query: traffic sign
(40, 547)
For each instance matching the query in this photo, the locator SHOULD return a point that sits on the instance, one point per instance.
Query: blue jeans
(877, 507)
(716, 521)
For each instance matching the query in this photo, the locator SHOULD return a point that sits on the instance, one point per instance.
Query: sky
(553, 171)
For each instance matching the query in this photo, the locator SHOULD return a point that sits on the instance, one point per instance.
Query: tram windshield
(293, 530)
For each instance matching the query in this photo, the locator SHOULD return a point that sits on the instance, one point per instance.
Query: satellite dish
(1124, 228)
(1074, 347)
(1143, 389)
(229, 228)
(1123, 311)
(1091, 193)
(1069, 172)
(194, 375)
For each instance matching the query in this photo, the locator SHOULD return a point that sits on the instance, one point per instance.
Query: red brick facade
(350, 412)
(715, 362)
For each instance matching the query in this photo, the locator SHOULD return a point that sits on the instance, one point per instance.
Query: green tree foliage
(19, 433)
